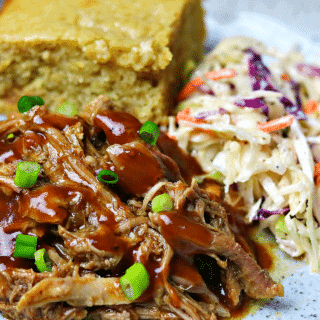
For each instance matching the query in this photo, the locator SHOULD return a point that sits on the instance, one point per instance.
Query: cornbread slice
(75, 50)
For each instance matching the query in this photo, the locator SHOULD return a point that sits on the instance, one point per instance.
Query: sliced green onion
(112, 174)
(217, 176)
(199, 179)
(37, 101)
(42, 260)
(135, 281)
(280, 227)
(25, 246)
(27, 174)
(67, 108)
(149, 132)
(162, 202)
(25, 103)
(10, 136)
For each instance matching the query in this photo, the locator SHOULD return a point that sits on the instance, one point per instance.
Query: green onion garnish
(10, 136)
(162, 202)
(67, 108)
(135, 281)
(199, 179)
(25, 246)
(149, 132)
(112, 174)
(27, 174)
(37, 101)
(217, 176)
(25, 103)
(42, 260)
(280, 227)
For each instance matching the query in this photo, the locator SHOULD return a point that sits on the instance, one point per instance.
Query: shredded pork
(93, 232)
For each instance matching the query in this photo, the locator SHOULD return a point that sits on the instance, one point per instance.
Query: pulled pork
(93, 232)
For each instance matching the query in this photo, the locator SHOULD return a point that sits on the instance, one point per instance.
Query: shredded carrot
(211, 132)
(171, 137)
(317, 169)
(317, 180)
(285, 77)
(185, 115)
(276, 124)
(187, 118)
(189, 88)
(221, 74)
(311, 107)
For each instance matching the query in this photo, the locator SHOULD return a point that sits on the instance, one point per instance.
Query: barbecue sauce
(50, 204)
(119, 127)
(188, 165)
(185, 236)
(127, 159)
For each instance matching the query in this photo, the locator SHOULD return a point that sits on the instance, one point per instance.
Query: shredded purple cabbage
(293, 109)
(295, 86)
(308, 70)
(254, 103)
(223, 111)
(260, 77)
(208, 113)
(259, 73)
(205, 89)
(264, 214)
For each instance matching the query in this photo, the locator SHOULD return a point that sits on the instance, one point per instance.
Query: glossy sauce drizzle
(185, 236)
(139, 167)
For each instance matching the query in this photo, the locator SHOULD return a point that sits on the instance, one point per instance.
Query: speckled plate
(227, 18)
(259, 20)
(301, 288)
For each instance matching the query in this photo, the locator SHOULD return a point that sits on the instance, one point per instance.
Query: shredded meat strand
(93, 232)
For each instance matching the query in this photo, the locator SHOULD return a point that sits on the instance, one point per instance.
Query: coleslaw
(222, 124)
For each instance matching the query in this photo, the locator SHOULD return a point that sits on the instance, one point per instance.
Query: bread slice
(75, 50)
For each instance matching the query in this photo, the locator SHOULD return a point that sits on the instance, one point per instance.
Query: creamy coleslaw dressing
(272, 170)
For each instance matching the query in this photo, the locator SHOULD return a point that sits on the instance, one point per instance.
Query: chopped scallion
(25, 246)
(149, 132)
(42, 260)
(161, 203)
(217, 176)
(37, 101)
(67, 108)
(27, 174)
(25, 103)
(199, 179)
(10, 136)
(114, 177)
(135, 281)
(280, 227)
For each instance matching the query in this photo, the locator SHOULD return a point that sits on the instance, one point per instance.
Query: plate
(259, 20)
(302, 288)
